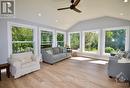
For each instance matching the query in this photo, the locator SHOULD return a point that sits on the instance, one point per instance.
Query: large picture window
(91, 41)
(46, 39)
(22, 39)
(75, 41)
(60, 39)
(115, 40)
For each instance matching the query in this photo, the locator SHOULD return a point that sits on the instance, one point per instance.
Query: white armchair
(23, 63)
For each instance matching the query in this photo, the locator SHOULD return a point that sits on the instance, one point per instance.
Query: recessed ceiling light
(56, 20)
(121, 14)
(39, 14)
(125, 0)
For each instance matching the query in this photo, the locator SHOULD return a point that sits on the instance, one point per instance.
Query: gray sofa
(53, 55)
(115, 68)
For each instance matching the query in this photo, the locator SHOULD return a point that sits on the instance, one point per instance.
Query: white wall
(3, 42)
(4, 52)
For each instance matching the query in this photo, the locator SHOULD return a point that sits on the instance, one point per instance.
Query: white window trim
(83, 47)
(64, 33)
(80, 47)
(9, 35)
(53, 34)
(116, 28)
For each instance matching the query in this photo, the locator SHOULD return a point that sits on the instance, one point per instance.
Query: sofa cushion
(26, 60)
(59, 56)
(26, 65)
(61, 49)
(56, 50)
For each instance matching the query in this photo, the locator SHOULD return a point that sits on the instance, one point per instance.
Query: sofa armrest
(35, 58)
(113, 58)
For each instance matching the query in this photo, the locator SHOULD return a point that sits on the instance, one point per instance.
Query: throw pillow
(56, 50)
(125, 54)
(119, 55)
(49, 52)
(61, 50)
(64, 50)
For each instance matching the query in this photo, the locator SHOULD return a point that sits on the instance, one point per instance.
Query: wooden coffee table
(5, 66)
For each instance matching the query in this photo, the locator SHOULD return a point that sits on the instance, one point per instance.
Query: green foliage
(46, 39)
(46, 36)
(22, 47)
(60, 40)
(74, 41)
(60, 37)
(91, 41)
(22, 34)
(60, 44)
(109, 50)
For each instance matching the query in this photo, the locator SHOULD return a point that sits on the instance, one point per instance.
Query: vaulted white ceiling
(29, 10)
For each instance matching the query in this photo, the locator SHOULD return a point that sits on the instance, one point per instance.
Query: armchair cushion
(56, 50)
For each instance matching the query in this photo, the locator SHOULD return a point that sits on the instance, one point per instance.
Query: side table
(7, 67)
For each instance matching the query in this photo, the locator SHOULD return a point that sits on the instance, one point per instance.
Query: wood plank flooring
(70, 73)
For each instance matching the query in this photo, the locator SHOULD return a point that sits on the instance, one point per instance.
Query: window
(75, 41)
(91, 41)
(46, 39)
(22, 39)
(115, 40)
(60, 39)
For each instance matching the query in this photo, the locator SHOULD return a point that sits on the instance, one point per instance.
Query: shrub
(109, 50)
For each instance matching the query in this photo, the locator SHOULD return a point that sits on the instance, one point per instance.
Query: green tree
(74, 40)
(115, 39)
(22, 39)
(91, 41)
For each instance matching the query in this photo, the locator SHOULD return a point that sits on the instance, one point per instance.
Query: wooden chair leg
(8, 72)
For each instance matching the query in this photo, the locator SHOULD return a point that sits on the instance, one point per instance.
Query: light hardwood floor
(70, 73)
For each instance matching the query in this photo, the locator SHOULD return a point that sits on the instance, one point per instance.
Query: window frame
(9, 36)
(64, 33)
(80, 48)
(99, 34)
(127, 41)
(53, 36)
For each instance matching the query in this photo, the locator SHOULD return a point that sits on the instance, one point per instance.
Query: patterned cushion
(61, 49)
(64, 50)
(56, 50)
(49, 51)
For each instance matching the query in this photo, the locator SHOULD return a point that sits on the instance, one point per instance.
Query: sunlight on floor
(80, 58)
(99, 62)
